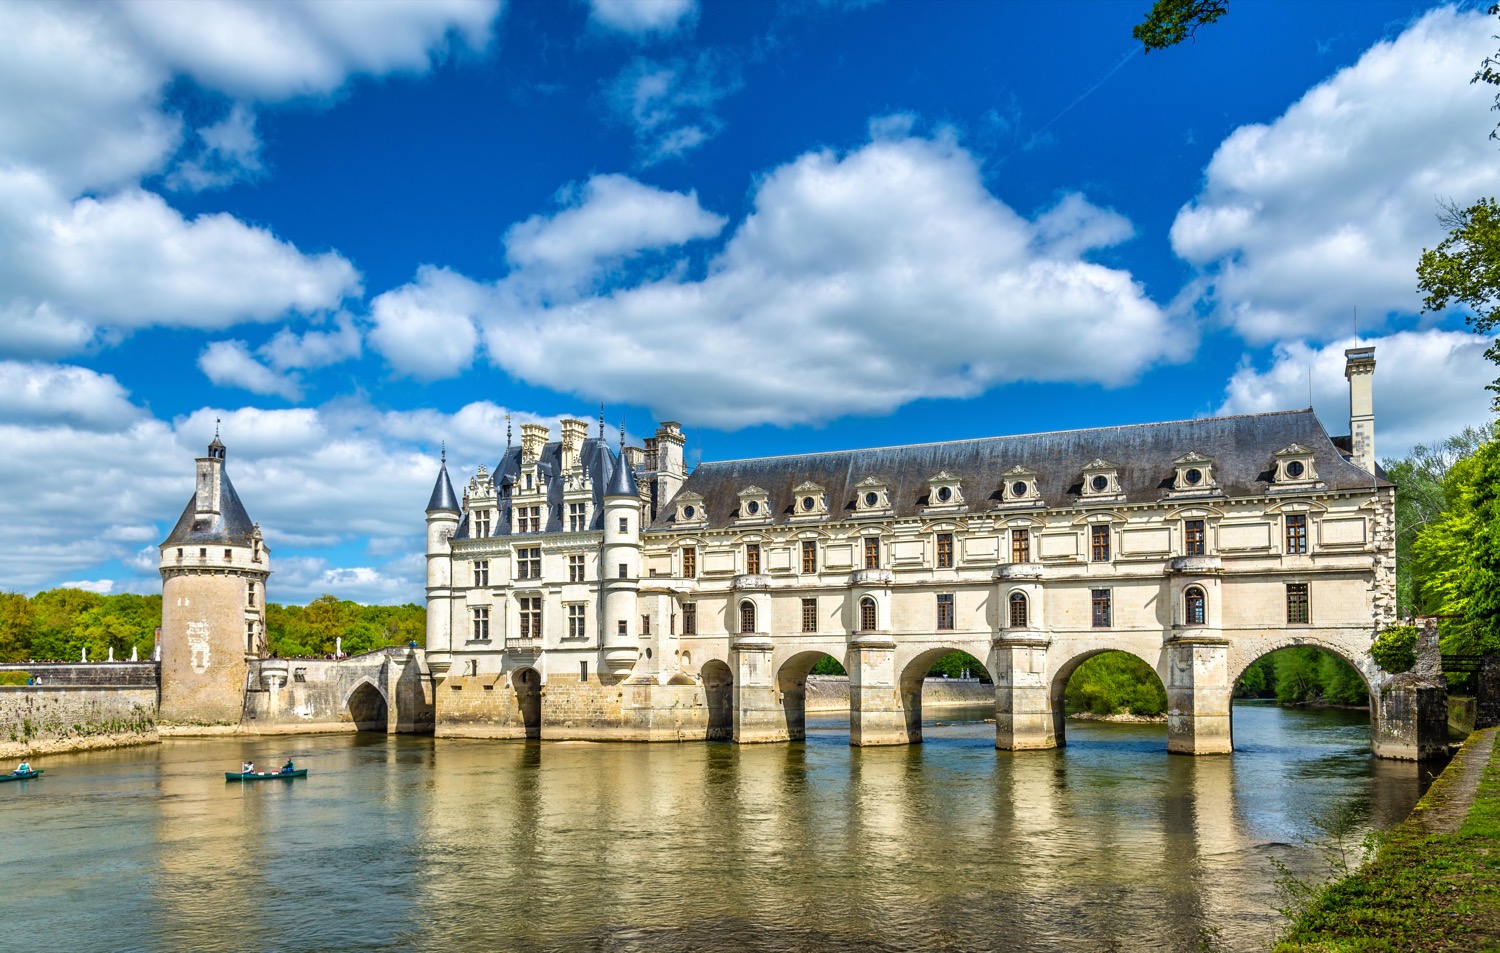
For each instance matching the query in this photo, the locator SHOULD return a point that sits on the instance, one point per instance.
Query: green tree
(1171, 21)
(1115, 682)
(1464, 269)
(956, 665)
(1489, 72)
(1458, 556)
(17, 627)
(57, 612)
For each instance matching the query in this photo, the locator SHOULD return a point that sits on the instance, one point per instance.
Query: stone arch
(1248, 653)
(912, 676)
(527, 684)
(791, 685)
(718, 698)
(1057, 693)
(367, 706)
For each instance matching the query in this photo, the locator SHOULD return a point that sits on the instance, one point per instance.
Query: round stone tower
(213, 570)
(620, 569)
(442, 520)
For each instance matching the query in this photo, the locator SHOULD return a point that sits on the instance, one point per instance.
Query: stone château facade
(576, 592)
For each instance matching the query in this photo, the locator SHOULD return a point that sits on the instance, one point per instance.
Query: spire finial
(507, 431)
(216, 428)
(601, 420)
(622, 436)
(444, 445)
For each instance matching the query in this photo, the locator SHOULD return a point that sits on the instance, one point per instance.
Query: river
(402, 843)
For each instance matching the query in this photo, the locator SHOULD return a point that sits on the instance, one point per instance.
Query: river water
(413, 844)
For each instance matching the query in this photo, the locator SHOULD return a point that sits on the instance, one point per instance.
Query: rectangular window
(529, 563)
(530, 518)
(1296, 533)
(689, 562)
(583, 671)
(945, 611)
(575, 568)
(481, 524)
(620, 628)
(1020, 545)
(576, 621)
(1099, 601)
(203, 554)
(228, 554)
(645, 625)
(809, 615)
(481, 622)
(531, 617)
(809, 555)
(752, 558)
(1298, 611)
(1099, 544)
(250, 593)
(690, 618)
(624, 570)
(577, 517)
(624, 524)
(1017, 610)
(1193, 536)
(872, 552)
(945, 550)
(481, 572)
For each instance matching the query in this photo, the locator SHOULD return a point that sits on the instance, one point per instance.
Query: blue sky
(354, 231)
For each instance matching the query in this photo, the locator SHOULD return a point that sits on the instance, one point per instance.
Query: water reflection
(410, 844)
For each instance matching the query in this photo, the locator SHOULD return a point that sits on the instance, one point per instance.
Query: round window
(687, 512)
(872, 499)
(1018, 488)
(808, 503)
(1100, 483)
(752, 507)
(945, 494)
(1294, 469)
(1193, 477)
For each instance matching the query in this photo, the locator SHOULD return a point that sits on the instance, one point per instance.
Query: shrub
(1395, 648)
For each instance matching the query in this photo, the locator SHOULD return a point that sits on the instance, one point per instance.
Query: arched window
(867, 614)
(747, 616)
(1018, 610)
(1194, 606)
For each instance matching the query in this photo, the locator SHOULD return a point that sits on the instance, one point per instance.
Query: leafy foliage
(315, 629)
(1301, 675)
(1395, 648)
(828, 665)
(958, 665)
(1115, 682)
(1489, 72)
(1457, 558)
(1172, 21)
(1464, 269)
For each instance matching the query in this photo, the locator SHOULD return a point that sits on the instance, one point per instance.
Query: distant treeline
(58, 624)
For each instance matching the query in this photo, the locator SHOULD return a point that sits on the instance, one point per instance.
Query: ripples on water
(413, 844)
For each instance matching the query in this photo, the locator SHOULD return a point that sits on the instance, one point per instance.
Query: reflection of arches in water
(528, 686)
(367, 708)
(915, 674)
(791, 681)
(1059, 690)
(718, 690)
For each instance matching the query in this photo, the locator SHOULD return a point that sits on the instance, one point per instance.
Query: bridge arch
(367, 706)
(1249, 652)
(913, 675)
(791, 685)
(718, 696)
(1058, 690)
(526, 682)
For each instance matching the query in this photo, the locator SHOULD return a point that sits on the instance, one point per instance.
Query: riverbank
(1434, 883)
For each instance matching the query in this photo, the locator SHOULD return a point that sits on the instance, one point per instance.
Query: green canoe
(265, 775)
(33, 773)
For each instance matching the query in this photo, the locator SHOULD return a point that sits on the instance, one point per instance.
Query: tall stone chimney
(670, 472)
(533, 439)
(574, 432)
(1360, 371)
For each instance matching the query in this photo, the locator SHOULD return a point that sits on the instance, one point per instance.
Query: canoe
(33, 773)
(265, 775)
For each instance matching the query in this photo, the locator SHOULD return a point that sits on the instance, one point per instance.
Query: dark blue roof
(622, 480)
(1242, 449)
(596, 458)
(233, 525)
(443, 498)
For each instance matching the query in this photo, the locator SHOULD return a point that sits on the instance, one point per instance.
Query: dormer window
(1294, 466)
(1101, 481)
(944, 492)
(1019, 486)
(871, 495)
(809, 501)
(755, 505)
(1193, 473)
(690, 509)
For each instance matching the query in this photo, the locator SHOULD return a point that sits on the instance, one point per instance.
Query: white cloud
(671, 104)
(230, 364)
(1328, 207)
(1428, 385)
(50, 394)
(426, 329)
(643, 16)
(313, 349)
(101, 586)
(229, 151)
(610, 217)
(859, 283)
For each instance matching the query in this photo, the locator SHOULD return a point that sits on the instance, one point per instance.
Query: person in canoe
(288, 768)
(247, 767)
(23, 768)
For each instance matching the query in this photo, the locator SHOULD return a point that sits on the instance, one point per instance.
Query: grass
(1422, 893)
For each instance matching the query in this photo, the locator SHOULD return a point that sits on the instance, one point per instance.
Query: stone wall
(48, 718)
(98, 674)
(387, 691)
(565, 708)
(831, 692)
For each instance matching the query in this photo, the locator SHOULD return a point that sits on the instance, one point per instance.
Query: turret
(1359, 368)
(442, 520)
(620, 569)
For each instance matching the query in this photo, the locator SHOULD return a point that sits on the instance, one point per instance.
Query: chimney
(210, 468)
(1360, 370)
(533, 438)
(670, 472)
(574, 433)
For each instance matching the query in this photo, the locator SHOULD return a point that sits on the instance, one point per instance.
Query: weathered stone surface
(67, 718)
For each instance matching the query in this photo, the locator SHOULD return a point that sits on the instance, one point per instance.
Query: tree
(1464, 269)
(1114, 682)
(1458, 557)
(1489, 72)
(17, 626)
(1172, 21)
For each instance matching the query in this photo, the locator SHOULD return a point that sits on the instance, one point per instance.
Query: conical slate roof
(622, 480)
(232, 525)
(443, 498)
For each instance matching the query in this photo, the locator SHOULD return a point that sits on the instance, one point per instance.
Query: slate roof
(597, 460)
(1241, 448)
(443, 497)
(233, 525)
